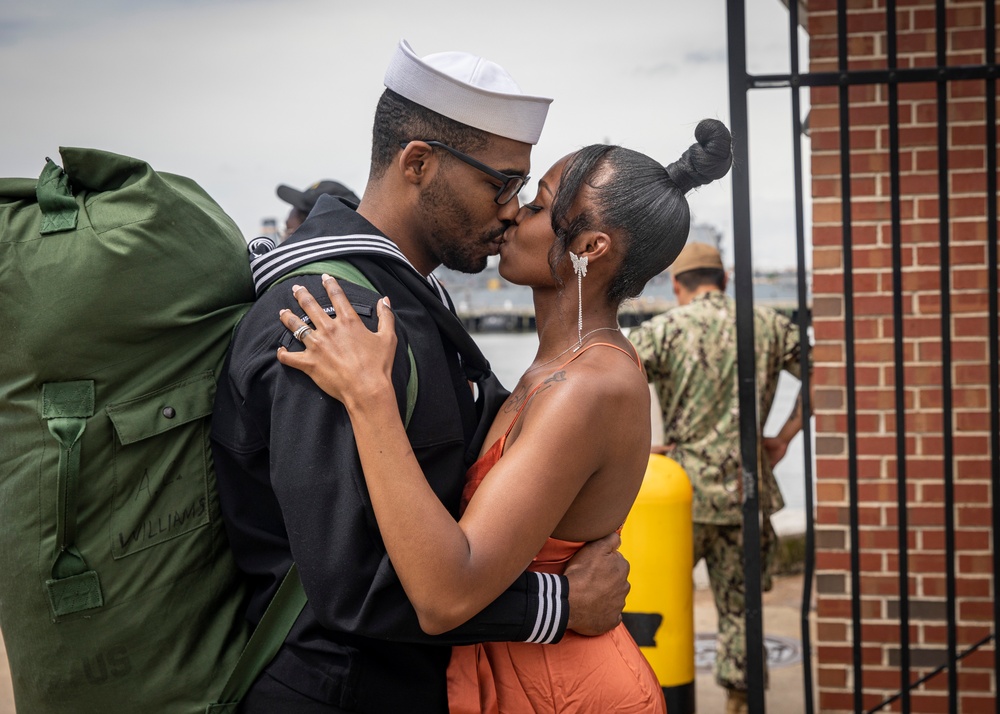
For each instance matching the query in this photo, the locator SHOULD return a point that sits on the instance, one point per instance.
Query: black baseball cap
(305, 200)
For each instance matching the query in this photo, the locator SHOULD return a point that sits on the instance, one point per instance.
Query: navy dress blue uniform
(291, 485)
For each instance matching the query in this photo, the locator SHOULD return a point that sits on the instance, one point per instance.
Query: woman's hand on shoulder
(342, 356)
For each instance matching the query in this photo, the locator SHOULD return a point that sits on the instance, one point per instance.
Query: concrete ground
(6, 694)
(781, 629)
(783, 637)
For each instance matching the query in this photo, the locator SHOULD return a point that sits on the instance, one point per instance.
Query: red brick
(831, 492)
(969, 111)
(970, 280)
(920, 326)
(975, 610)
(828, 352)
(924, 516)
(831, 468)
(968, 135)
(924, 423)
(971, 421)
(829, 330)
(884, 585)
(970, 540)
(969, 231)
(973, 206)
(969, 88)
(971, 374)
(836, 701)
(913, 136)
(829, 676)
(826, 560)
(874, 352)
(863, 162)
(833, 515)
(826, 164)
(929, 279)
(964, 587)
(914, 42)
(969, 326)
(920, 233)
(976, 702)
(883, 539)
(965, 40)
(926, 159)
(826, 212)
(926, 563)
(826, 258)
(865, 258)
(868, 329)
(927, 208)
(918, 184)
(972, 516)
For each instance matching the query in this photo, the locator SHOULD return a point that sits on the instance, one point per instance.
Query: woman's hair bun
(705, 161)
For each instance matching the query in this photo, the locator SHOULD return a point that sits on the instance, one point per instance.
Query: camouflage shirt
(690, 356)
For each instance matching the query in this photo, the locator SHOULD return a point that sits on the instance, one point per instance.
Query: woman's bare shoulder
(602, 376)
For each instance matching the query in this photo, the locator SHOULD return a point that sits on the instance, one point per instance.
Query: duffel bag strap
(55, 200)
(342, 270)
(66, 406)
(288, 601)
(264, 643)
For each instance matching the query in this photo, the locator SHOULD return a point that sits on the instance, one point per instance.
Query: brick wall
(923, 376)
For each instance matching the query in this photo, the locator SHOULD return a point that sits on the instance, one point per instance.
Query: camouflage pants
(722, 548)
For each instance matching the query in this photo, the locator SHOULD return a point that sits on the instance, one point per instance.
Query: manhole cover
(781, 651)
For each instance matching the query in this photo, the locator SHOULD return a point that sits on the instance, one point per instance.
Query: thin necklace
(575, 346)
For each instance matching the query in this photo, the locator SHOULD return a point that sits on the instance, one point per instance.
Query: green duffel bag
(119, 290)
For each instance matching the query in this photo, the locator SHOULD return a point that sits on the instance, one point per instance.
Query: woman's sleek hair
(641, 200)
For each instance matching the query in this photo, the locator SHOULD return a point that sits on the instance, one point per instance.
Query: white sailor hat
(469, 89)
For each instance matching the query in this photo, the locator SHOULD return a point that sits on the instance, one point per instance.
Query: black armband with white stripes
(553, 608)
(534, 609)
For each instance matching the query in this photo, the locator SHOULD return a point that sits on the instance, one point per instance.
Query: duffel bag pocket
(161, 464)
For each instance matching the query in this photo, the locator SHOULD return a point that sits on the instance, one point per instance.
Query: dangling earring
(580, 268)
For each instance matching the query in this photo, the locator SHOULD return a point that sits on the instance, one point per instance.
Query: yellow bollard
(659, 611)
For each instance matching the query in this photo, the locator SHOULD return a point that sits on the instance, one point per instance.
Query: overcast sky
(242, 95)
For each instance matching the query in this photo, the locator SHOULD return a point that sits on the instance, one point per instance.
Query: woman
(570, 445)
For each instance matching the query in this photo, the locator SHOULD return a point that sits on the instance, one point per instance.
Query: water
(511, 353)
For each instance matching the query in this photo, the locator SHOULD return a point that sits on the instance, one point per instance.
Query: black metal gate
(891, 77)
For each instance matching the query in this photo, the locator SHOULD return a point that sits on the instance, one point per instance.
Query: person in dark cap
(689, 353)
(303, 201)
(452, 141)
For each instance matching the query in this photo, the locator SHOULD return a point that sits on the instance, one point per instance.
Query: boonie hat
(695, 256)
(305, 200)
(469, 89)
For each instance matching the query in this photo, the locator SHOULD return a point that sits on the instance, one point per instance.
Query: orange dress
(577, 675)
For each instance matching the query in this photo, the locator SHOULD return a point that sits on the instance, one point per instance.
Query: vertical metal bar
(745, 352)
(806, 360)
(899, 359)
(944, 216)
(851, 381)
(994, 318)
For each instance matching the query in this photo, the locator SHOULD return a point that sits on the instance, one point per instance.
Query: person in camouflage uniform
(689, 353)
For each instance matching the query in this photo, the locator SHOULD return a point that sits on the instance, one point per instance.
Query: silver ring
(300, 333)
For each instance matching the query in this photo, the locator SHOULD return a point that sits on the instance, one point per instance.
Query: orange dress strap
(634, 356)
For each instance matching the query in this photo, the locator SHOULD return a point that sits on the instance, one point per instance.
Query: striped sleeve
(535, 608)
(553, 611)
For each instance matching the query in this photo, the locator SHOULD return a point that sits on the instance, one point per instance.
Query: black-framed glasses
(511, 184)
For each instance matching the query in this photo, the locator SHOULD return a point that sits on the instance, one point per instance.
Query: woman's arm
(450, 570)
